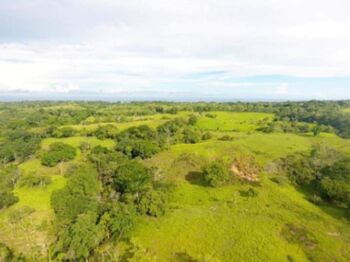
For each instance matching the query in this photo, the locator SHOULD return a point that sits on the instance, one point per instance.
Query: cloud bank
(239, 49)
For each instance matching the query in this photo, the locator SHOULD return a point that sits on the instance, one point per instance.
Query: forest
(166, 181)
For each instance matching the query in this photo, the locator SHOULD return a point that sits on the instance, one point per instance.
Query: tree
(106, 131)
(192, 120)
(79, 239)
(58, 152)
(18, 145)
(34, 180)
(152, 203)
(77, 197)
(215, 173)
(132, 177)
(191, 136)
(335, 181)
(138, 148)
(118, 221)
(298, 169)
(316, 130)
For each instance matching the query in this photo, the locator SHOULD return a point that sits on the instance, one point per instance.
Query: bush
(215, 174)
(152, 203)
(280, 180)
(191, 136)
(315, 199)
(226, 138)
(32, 180)
(79, 239)
(58, 152)
(192, 120)
(298, 169)
(77, 197)
(138, 148)
(118, 221)
(106, 131)
(7, 198)
(132, 177)
(207, 136)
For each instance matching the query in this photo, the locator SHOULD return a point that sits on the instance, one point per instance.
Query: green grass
(225, 225)
(77, 140)
(32, 231)
(226, 121)
(220, 223)
(152, 121)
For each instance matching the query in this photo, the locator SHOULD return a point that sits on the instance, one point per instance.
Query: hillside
(178, 213)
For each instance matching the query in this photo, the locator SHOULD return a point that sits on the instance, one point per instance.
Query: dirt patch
(252, 177)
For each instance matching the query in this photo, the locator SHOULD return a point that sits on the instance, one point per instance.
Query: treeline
(324, 172)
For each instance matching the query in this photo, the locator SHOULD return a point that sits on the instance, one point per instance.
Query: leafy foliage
(132, 177)
(78, 240)
(58, 152)
(18, 145)
(215, 173)
(152, 203)
(77, 197)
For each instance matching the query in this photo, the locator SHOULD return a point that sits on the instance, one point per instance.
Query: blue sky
(191, 50)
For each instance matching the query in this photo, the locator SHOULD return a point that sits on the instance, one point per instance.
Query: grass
(226, 121)
(279, 224)
(221, 223)
(30, 233)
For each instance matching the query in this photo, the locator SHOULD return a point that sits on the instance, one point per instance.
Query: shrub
(58, 152)
(138, 148)
(132, 177)
(118, 221)
(77, 241)
(280, 180)
(215, 174)
(7, 198)
(207, 136)
(106, 131)
(152, 203)
(192, 120)
(226, 138)
(77, 197)
(190, 136)
(315, 199)
(33, 180)
(298, 169)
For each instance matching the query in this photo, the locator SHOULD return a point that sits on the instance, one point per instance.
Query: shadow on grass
(195, 178)
(332, 210)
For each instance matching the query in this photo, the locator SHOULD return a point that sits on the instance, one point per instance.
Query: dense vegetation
(155, 181)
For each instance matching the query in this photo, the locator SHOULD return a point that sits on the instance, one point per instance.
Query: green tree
(77, 197)
(132, 177)
(118, 221)
(215, 173)
(79, 239)
(152, 203)
(58, 152)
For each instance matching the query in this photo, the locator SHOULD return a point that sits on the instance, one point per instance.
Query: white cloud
(282, 89)
(140, 45)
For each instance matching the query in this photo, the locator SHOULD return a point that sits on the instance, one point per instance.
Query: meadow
(201, 223)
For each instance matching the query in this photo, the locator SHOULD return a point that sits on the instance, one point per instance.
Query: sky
(175, 50)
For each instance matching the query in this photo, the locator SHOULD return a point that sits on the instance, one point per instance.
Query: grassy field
(207, 224)
(226, 121)
(33, 231)
(224, 224)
